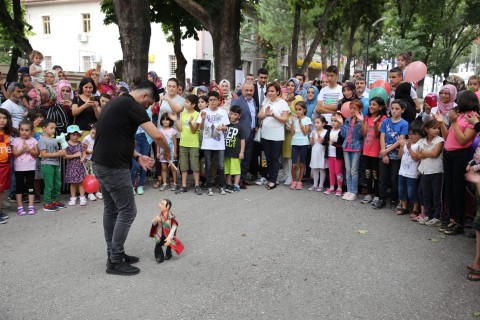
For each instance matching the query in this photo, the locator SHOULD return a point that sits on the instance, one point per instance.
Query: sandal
(269, 187)
(401, 212)
(157, 184)
(473, 275)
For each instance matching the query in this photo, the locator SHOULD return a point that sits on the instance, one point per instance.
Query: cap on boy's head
(74, 128)
(431, 99)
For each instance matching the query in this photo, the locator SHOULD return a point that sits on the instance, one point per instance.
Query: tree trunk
(351, 40)
(225, 30)
(296, 30)
(323, 56)
(177, 48)
(135, 32)
(321, 28)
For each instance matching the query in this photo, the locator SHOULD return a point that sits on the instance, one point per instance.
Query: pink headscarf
(445, 108)
(58, 89)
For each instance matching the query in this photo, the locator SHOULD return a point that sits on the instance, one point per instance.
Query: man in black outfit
(112, 156)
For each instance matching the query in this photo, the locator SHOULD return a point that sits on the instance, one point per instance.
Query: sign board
(239, 79)
(374, 75)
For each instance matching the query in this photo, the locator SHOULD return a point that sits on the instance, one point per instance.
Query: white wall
(65, 49)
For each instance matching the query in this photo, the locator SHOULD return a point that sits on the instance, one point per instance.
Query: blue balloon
(474, 145)
(366, 104)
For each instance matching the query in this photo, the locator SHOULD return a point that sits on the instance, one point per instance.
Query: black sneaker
(444, 226)
(198, 190)
(379, 204)
(229, 188)
(3, 220)
(393, 205)
(3, 215)
(60, 205)
(130, 259)
(121, 268)
(181, 190)
(454, 230)
(38, 199)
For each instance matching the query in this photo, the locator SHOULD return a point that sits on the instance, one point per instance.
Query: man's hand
(146, 162)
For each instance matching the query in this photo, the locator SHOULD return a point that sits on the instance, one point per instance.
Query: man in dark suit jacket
(248, 122)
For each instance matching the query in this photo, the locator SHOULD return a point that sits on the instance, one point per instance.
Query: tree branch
(197, 11)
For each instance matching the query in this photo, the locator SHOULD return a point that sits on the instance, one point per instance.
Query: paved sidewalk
(258, 254)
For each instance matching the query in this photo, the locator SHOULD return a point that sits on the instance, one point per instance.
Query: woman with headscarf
(312, 94)
(104, 84)
(402, 92)
(45, 99)
(446, 103)
(291, 97)
(51, 78)
(65, 97)
(226, 92)
(349, 94)
(153, 77)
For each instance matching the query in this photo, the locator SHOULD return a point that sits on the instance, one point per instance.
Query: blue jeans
(408, 189)
(119, 209)
(352, 160)
(142, 147)
(220, 167)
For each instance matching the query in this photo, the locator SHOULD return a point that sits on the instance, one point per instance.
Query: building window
(86, 22)
(173, 65)
(87, 63)
(48, 62)
(46, 24)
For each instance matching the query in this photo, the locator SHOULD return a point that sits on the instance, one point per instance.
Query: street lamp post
(368, 37)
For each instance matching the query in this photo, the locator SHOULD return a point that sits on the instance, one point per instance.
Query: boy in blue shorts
(234, 149)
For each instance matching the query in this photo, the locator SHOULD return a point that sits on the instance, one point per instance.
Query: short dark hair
(250, 75)
(56, 67)
(401, 103)
(26, 122)
(106, 96)
(214, 94)
(14, 85)
(398, 71)
(150, 87)
(47, 121)
(359, 71)
(166, 117)
(236, 109)
(332, 69)
(300, 75)
(360, 79)
(36, 113)
(262, 71)
(274, 84)
(467, 101)
(174, 80)
(416, 127)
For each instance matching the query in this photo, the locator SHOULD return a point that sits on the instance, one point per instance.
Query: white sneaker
(375, 200)
(262, 181)
(423, 221)
(73, 201)
(99, 195)
(210, 192)
(345, 195)
(222, 191)
(288, 181)
(351, 197)
(92, 197)
(83, 201)
(434, 222)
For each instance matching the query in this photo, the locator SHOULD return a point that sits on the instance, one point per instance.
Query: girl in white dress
(318, 161)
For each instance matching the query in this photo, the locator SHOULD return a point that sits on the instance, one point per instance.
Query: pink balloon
(415, 71)
(345, 110)
(90, 184)
(477, 93)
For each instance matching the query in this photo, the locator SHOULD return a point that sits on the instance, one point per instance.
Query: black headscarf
(402, 92)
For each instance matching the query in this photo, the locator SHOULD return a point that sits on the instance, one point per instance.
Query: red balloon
(383, 84)
(415, 71)
(90, 184)
(345, 110)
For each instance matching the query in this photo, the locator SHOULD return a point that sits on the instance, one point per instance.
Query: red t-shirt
(371, 144)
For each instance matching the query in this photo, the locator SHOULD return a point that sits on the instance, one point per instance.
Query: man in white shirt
(15, 90)
(329, 95)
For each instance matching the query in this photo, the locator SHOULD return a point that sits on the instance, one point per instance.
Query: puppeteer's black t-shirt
(116, 128)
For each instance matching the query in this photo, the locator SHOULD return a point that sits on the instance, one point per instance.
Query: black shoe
(454, 230)
(159, 253)
(471, 234)
(3, 215)
(130, 259)
(181, 190)
(168, 253)
(393, 205)
(379, 205)
(444, 226)
(2, 220)
(121, 268)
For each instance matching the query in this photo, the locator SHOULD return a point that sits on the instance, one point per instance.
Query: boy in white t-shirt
(88, 143)
(329, 95)
(213, 121)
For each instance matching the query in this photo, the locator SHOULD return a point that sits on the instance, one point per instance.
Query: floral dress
(75, 172)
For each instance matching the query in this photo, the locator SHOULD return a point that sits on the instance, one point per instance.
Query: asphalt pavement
(257, 254)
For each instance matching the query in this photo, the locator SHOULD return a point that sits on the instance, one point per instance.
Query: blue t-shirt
(393, 131)
(298, 138)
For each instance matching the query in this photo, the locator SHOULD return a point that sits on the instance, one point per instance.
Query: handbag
(258, 135)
